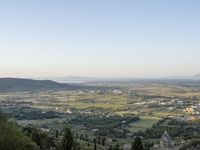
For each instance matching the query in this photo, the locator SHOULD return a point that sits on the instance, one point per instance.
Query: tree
(12, 137)
(76, 146)
(95, 144)
(68, 140)
(137, 144)
(116, 147)
(57, 133)
(103, 142)
(99, 140)
(42, 139)
(110, 147)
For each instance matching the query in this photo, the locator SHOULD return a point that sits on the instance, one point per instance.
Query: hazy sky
(103, 38)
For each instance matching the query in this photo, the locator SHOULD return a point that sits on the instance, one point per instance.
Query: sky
(99, 38)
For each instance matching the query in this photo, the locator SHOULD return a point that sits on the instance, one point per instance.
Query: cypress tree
(137, 144)
(68, 140)
(95, 144)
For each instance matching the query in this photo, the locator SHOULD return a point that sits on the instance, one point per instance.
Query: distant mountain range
(18, 84)
(197, 76)
(194, 77)
(72, 79)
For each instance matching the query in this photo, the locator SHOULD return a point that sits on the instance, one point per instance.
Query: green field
(143, 124)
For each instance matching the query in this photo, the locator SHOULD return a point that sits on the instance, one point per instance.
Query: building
(166, 143)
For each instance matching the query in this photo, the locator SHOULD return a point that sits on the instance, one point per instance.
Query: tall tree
(95, 144)
(68, 140)
(57, 133)
(137, 144)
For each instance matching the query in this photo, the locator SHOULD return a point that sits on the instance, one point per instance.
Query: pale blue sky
(100, 38)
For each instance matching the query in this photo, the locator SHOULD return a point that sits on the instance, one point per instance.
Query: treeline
(103, 122)
(28, 113)
(13, 137)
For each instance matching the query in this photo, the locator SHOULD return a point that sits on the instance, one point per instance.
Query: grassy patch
(143, 124)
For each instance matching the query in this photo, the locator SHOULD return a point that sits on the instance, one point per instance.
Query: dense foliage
(42, 139)
(12, 138)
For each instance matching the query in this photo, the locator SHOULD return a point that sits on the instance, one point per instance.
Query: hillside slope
(18, 84)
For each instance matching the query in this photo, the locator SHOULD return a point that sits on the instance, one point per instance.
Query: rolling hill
(19, 84)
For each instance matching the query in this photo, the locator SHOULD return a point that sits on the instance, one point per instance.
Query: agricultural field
(143, 124)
